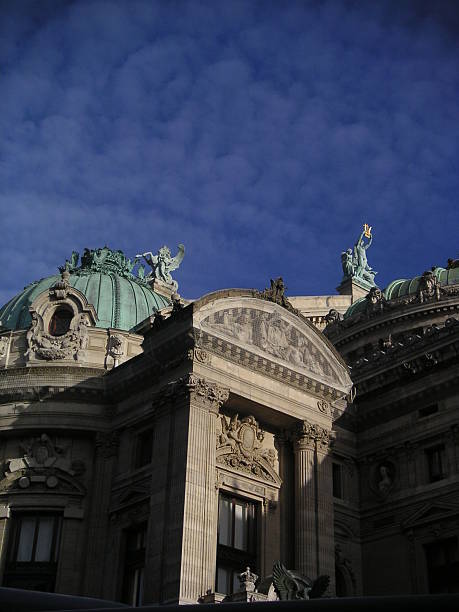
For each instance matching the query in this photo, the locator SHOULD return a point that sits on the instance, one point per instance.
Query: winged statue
(162, 264)
(290, 585)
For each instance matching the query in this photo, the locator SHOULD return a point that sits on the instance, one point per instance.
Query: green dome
(121, 299)
(403, 287)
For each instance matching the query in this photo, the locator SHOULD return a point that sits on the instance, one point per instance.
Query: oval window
(60, 322)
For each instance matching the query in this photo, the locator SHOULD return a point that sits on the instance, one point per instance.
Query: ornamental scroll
(240, 447)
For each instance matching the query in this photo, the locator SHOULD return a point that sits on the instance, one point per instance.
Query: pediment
(269, 331)
(431, 512)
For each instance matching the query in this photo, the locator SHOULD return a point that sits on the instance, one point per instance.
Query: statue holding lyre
(355, 263)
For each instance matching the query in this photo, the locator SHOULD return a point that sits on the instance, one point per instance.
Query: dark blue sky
(262, 135)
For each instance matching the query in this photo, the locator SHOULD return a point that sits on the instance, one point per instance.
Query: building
(153, 448)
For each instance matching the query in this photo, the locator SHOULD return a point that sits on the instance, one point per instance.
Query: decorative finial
(247, 580)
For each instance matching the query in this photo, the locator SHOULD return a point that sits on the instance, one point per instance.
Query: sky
(261, 135)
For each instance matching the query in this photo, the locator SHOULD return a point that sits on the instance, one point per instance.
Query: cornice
(270, 368)
(344, 331)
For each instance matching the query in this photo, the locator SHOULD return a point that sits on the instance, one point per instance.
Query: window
(144, 448)
(442, 566)
(134, 565)
(60, 322)
(436, 462)
(237, 541)
(337, 481)
(32, 552)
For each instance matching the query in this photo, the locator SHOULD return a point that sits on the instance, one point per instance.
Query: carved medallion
(239, 446)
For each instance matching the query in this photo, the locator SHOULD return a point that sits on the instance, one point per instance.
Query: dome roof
(403, 287)
(105, 277)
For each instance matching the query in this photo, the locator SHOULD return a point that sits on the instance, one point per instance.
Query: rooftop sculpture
(290, 585)
(355, 263)
(162, 264)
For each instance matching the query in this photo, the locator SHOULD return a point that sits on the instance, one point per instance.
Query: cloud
(261, 134)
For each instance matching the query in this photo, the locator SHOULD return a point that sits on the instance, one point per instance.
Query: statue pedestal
(356, 288)
(163, 289)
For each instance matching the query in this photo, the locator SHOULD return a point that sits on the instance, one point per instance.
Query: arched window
(60, 322)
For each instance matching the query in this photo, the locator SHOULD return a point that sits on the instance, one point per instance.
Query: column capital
(198, 389)
(310, 436)
(201, 389)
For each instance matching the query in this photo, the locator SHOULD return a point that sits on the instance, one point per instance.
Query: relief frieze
(271, 334)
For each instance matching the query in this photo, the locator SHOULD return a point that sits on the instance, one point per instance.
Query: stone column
(314, 529)
(306, 543)
(199, 543)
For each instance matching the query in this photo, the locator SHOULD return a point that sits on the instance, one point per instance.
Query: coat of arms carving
(240, 446)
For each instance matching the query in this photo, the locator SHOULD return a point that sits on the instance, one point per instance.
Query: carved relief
(239, 446)
(375, 301)
(429, 287)
(115, 349)
(44, 463)
(4, 342)
(61, 287)
(323, 406)
(270, 333)
(382, 478)
(72, 344)
(199, 354)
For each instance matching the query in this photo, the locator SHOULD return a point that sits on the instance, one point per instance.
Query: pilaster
(106, 449)
(201, 504)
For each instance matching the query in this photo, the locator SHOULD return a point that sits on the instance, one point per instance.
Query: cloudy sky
(262, 135)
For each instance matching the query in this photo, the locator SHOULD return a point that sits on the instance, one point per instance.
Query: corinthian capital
(311, 436)
(202, 389)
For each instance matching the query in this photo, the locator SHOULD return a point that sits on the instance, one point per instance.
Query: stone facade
(121, 450)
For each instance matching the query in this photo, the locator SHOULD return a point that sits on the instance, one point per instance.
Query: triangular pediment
(431, 512)
(269, 331)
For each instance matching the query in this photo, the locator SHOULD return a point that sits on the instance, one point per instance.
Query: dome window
(60, 322)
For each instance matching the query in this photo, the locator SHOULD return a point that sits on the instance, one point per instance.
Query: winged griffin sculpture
(289, 584)
(162, 264)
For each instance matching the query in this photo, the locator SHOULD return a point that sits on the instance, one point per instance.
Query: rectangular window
(33, 551)
(337, 481)
(443, 566)
(237, 541)
(436, 463)
(144, 448)
(134, 565)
